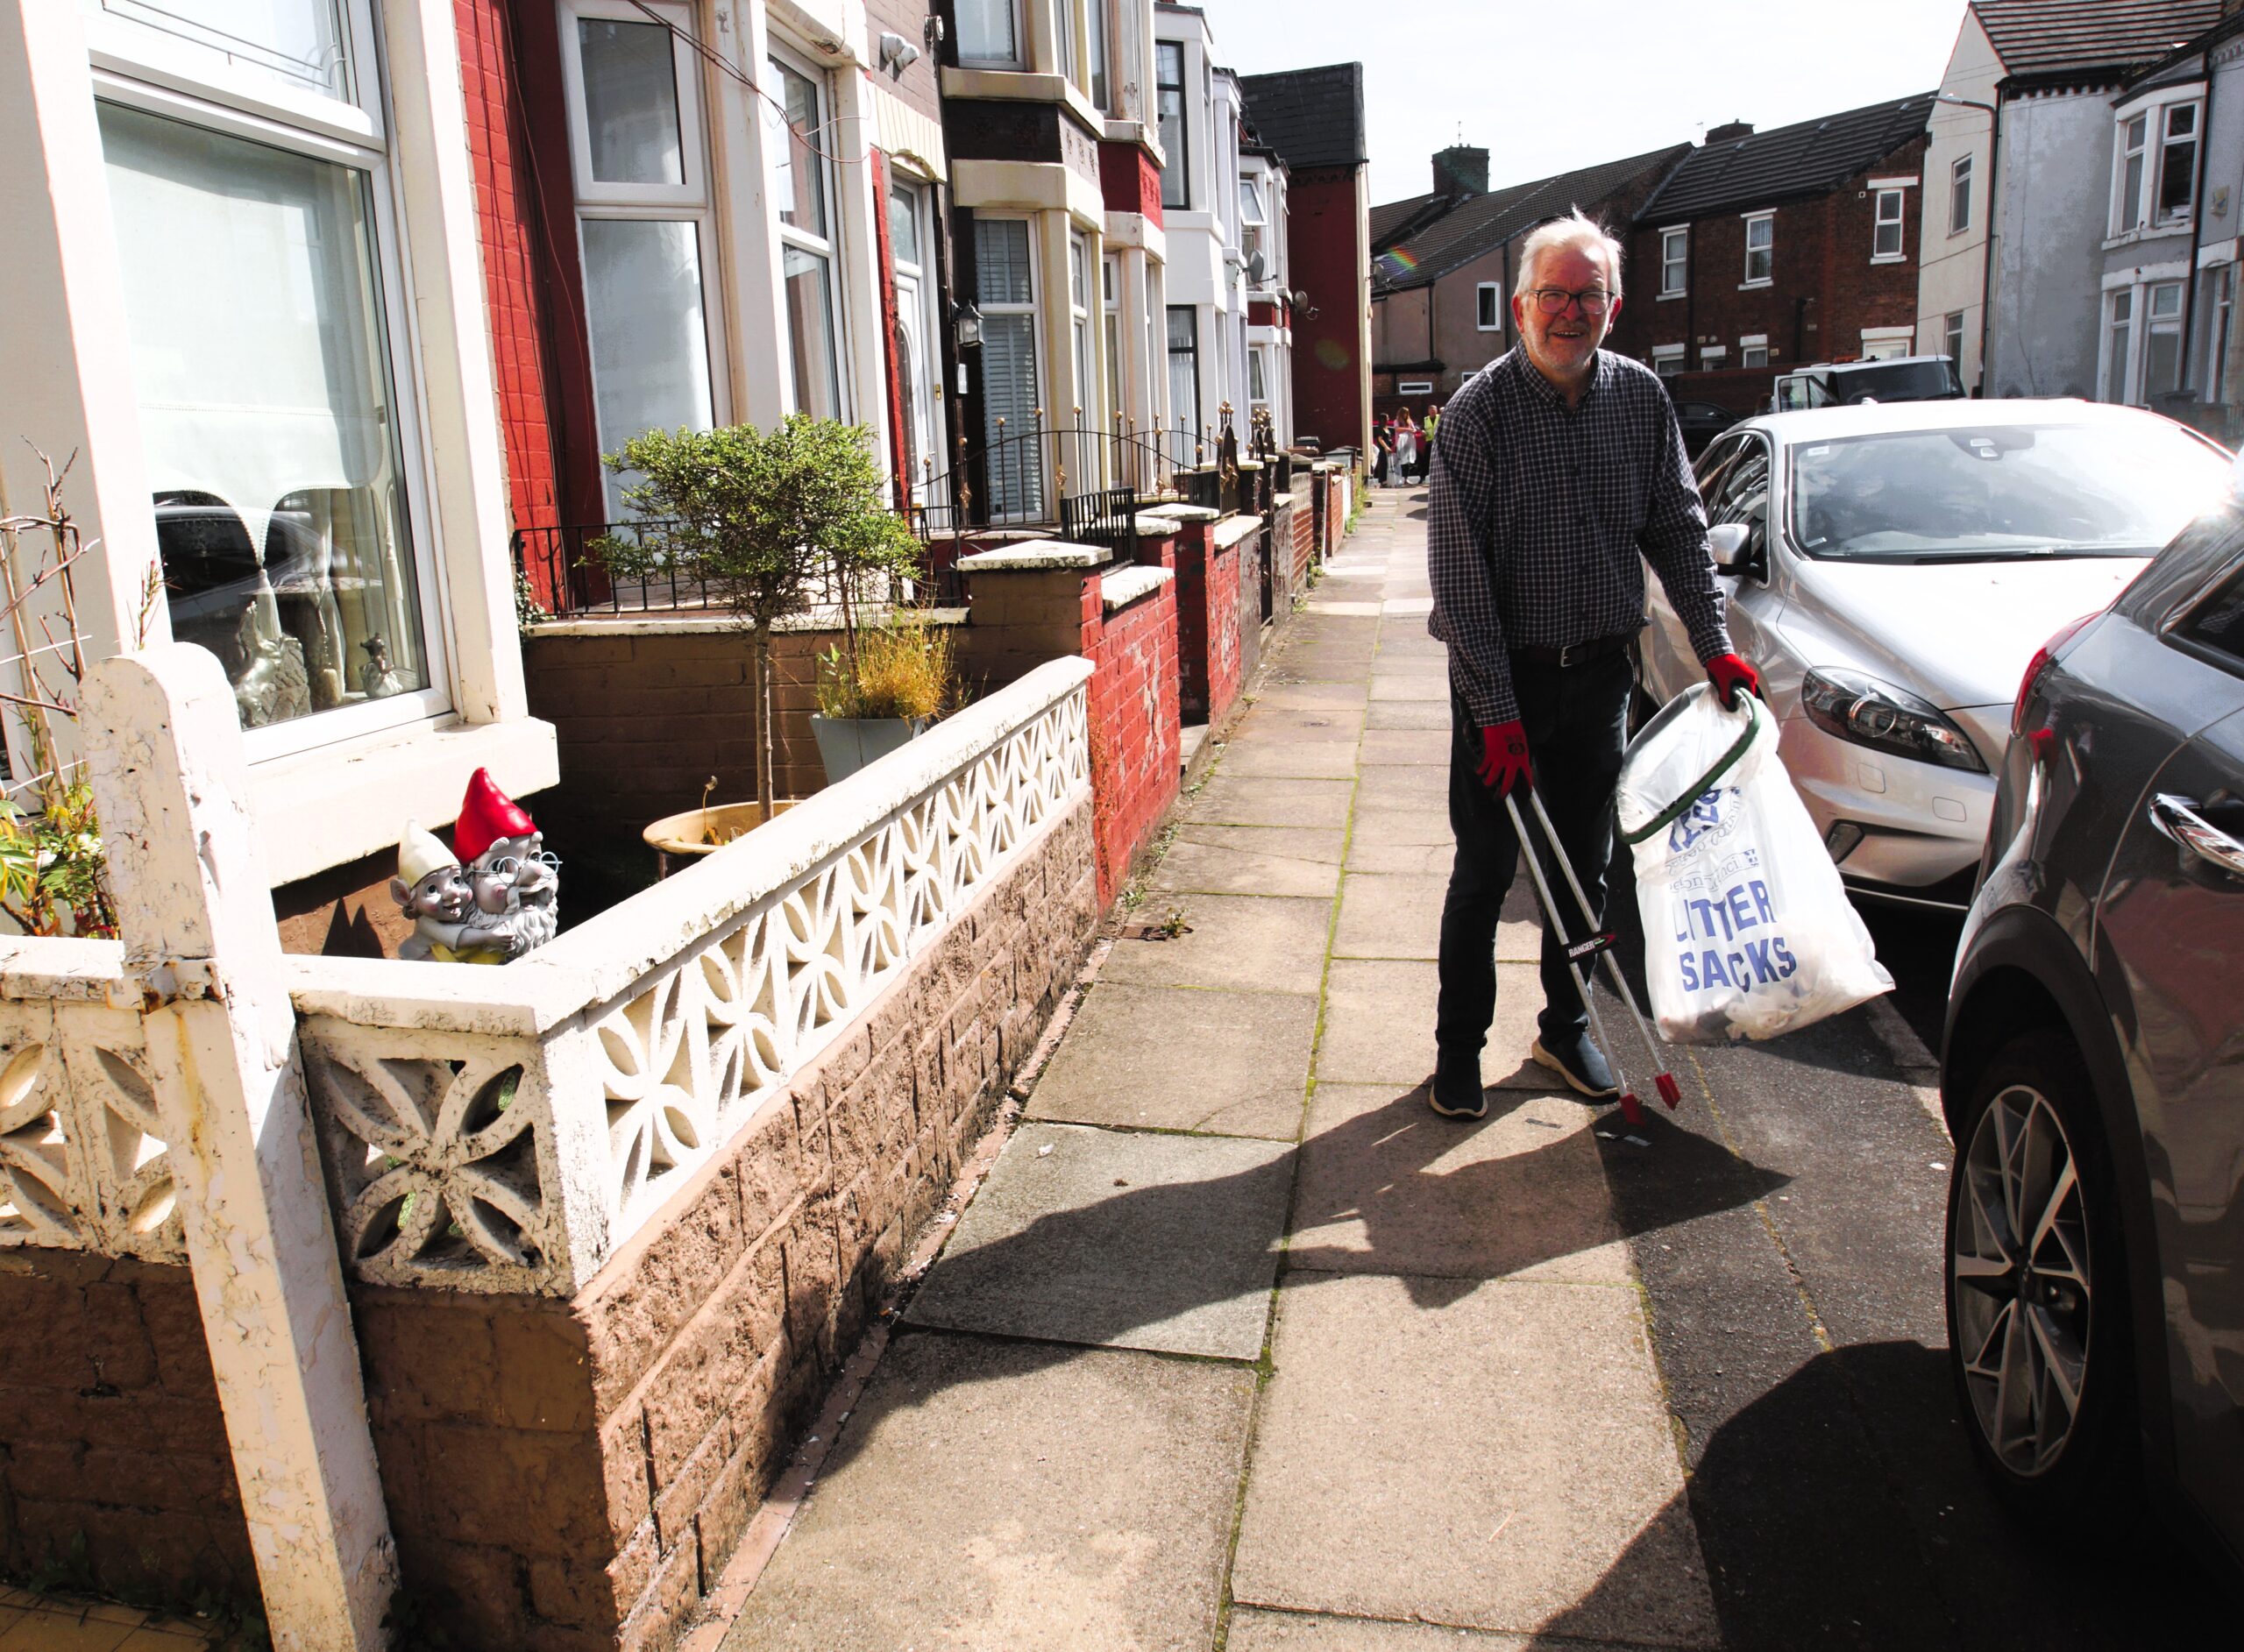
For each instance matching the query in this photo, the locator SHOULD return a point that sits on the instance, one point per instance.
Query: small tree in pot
(766, 521)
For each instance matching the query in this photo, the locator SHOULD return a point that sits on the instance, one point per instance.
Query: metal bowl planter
(699, 831)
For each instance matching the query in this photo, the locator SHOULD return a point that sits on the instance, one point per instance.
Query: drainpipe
(2196, 232)
(1987, 270)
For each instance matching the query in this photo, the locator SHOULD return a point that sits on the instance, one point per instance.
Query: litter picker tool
(1582, 955)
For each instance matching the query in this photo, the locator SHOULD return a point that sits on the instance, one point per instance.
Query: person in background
(1406, 448)
(1559, 475)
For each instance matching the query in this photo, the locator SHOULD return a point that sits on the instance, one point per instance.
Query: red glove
(1503, 758)
(1729, 673)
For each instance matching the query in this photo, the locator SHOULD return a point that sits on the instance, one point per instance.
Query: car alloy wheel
(2020, 1280)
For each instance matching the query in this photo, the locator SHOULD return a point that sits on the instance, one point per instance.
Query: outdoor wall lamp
(897, 55)
(966, 316)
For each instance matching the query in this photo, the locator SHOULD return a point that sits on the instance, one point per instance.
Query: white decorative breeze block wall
(506, 1129)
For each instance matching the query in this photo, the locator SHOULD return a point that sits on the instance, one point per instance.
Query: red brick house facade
(1762, 251)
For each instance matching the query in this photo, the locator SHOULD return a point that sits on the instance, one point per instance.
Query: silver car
(1891, 571)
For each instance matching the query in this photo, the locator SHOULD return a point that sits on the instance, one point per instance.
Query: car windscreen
(2001, 491)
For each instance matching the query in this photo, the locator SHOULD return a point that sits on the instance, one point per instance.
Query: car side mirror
(1730, 545)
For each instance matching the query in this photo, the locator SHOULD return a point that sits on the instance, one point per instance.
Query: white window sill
(334, 803)
(1890, 258)
(1750, 287)
(1683, 293)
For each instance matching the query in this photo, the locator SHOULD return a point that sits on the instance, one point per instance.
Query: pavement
(32, 1622)
(1242, 1346)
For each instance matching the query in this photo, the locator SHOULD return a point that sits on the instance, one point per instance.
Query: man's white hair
(1574, 230)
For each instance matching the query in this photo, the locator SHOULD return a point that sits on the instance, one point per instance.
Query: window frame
(1751, 346)
(1664, 355)
(1960, 174)
(1188, 429)
(2119, 313)
(1753, 221)
(1180, 162)
(2155, 215)
(686, 74)
(1081, 336)
(1951, 337)
(830, 247)
(1713, 357)
(140, 67)
(1671, 260)
(1880, 224)
(1488, 306)
(2129, 200)
(1016, 59)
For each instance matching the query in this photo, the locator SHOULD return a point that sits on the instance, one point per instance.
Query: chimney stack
(1461, 170)
(1724, 134)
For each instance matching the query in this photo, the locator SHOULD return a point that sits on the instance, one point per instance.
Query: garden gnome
(377, 676)
(516, 889)
(432, 889)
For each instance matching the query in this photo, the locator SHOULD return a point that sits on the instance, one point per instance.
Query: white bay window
(260, 258)
(801, 139)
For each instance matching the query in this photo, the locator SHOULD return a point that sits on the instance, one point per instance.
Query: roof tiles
(1789, 162)
(1481, 224)
(1312, 117)
(2055, 36)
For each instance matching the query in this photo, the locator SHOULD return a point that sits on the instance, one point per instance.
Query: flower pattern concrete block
(1555, 1502)
(1014, 1498)
(1182, 1058)
(1118, 1239)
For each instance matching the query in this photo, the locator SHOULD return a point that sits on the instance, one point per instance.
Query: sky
(1546, 86)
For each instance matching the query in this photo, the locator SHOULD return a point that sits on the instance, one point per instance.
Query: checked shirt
(1537, 513)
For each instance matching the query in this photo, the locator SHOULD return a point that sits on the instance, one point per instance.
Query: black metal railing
(1107, 518)
(564, 575)
(1026, 478)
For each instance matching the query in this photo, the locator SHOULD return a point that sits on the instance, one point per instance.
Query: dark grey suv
(2093, 1065)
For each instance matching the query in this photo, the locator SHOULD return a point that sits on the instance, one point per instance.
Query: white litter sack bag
(1748, 931)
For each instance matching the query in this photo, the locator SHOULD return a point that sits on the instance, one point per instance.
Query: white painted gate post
(171, 782)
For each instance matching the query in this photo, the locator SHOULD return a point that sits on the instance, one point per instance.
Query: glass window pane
(810, 333)
(1001, 261)
(799, 183)
(986, 31)
(1099, 76)
(295, 41)
(903, 224)
(631, 102)
(261, 366)
(1176, 178)
(1959, 196)
(1016, 475)
(1076, 280)
(650, 349)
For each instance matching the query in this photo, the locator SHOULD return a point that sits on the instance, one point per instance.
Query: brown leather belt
(1577, 653)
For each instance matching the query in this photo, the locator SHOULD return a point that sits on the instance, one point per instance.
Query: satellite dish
(1257, 267)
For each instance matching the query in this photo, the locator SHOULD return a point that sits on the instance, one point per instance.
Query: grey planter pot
(847, 744)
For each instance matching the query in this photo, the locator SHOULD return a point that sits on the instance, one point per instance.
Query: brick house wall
(920, 87)
(1328, 254)
(1824, 291)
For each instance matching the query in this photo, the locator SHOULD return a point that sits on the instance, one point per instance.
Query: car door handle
(2178, 818)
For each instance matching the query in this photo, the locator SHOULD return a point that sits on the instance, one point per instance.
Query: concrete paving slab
(1223, 860)
(1232, 798)
(992, 1496)
(1249, 943)
(1182, 1058)
(1405, 746)
(1499, 1460)
(1388, 1185)
(1401, 714)
(1313, 695)
(1119, 1239)
(1393, 915)
(1290, 759)
(1379, 1025)
(1261, 722)
(1257, 1631)
(1369, 854)
(1388, 823)
(1412, 686)
(1405, 786)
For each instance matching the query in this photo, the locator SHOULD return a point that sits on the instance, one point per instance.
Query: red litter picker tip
(1581, 959)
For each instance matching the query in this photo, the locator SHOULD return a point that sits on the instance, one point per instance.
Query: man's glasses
(1552, 301)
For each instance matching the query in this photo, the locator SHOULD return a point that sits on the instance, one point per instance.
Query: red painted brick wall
(1208, 653)
(110, 1432)
(1129, 181)
(1136, 743)
(1328, 244)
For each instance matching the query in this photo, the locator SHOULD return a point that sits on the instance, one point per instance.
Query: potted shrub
(766, 521)
(878, 688)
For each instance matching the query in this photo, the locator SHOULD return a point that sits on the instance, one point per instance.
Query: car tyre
(2038, 1326)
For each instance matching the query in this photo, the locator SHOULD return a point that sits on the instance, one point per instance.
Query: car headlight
(1869, 712)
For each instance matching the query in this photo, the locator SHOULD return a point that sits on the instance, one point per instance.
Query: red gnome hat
(486, 815)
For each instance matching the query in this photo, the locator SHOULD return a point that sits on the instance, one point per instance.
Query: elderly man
(1558, 465)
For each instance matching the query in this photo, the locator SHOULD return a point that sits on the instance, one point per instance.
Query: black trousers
(1577, 725)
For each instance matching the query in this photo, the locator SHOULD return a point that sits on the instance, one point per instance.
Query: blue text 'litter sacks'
(1748, 931)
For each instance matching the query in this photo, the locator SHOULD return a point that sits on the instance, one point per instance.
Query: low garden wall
(609, 1217)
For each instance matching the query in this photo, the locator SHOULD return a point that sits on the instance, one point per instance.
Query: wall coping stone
(1187, 513)
(1040, 556)
(1279, 501)
(715, 623)
(1248, 464)
(1119, 589)
(60, 966)
(1236, 531)
(1157, 525)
